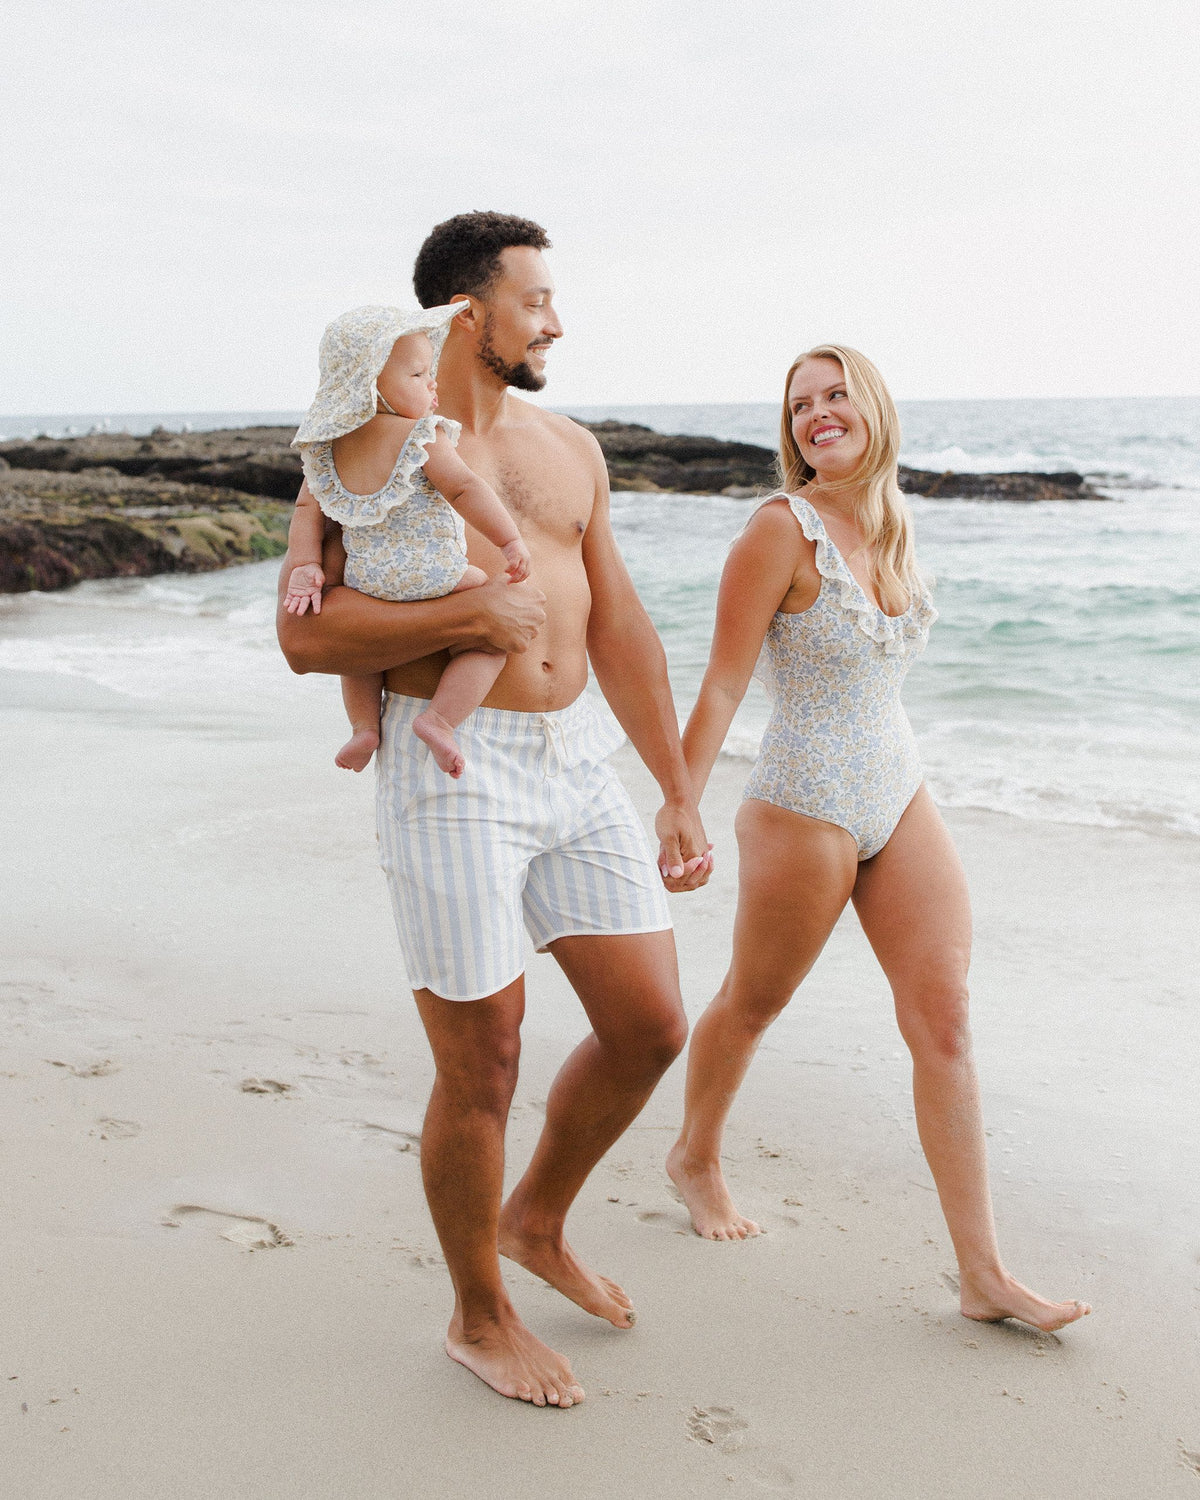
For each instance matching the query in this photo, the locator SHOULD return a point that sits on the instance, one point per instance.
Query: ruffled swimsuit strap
(889, 631)
(348, 509)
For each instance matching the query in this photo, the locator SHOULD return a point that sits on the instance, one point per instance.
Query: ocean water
(1061, 682)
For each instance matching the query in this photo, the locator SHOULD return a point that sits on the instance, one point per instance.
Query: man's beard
(522, 376)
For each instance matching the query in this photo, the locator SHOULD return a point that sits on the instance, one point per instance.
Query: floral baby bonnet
(354, 348)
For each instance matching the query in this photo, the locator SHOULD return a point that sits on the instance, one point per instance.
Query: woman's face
(830, 433)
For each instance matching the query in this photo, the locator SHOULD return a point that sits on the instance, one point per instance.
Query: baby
(380, 463)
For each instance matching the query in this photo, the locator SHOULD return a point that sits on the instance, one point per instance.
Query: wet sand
(221, 1275)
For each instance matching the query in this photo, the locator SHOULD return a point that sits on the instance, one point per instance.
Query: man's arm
(354, 633)
(631, 669)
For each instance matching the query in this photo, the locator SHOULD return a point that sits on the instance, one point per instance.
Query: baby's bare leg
(361, 695)
(464, 685)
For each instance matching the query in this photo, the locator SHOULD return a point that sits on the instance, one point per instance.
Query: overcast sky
(989, 199)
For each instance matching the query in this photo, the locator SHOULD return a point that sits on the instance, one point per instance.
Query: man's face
(519, 321)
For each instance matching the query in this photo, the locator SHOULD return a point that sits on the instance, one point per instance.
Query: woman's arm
(758, 575)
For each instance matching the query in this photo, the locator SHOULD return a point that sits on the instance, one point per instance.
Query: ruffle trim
(337, 502)
(892, 632)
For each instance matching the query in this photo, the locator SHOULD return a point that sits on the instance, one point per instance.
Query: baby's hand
(516, 555)
(304, 589)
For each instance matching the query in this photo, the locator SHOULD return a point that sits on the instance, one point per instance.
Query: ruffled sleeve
(895, 633)
(348, 509)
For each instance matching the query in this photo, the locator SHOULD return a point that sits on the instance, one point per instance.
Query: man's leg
(629, 986)
(476, 1046)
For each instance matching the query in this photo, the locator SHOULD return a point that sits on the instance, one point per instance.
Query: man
(537, 829)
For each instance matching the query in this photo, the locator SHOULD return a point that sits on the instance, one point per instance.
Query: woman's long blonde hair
(883, 516)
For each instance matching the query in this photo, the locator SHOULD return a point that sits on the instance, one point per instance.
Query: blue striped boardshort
(538, 836)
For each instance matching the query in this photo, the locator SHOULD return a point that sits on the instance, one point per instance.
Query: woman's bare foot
(356, 753)
(551, 1258)
(438, 734)
(993, 1297)
(506, 1356)
(702, 1188)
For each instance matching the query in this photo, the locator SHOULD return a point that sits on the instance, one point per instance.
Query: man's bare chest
(545, 496)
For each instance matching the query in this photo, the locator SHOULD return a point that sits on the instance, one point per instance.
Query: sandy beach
(221, 1276)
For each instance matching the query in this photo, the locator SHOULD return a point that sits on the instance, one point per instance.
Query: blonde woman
(823, 583)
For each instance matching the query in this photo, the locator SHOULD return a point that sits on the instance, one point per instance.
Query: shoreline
(210, 1035)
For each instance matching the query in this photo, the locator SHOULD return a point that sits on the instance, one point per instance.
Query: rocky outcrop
(58, 528)
(258, 461)
(110, 505)
(1020, 485)
(254, 460)
(639, 458)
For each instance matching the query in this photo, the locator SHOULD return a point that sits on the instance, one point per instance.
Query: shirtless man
(538, 828)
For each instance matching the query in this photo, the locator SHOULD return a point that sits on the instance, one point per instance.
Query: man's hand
(304, 589)
(512, 615)
(684, 853)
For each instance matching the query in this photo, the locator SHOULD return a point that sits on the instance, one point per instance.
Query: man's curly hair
(462, 255)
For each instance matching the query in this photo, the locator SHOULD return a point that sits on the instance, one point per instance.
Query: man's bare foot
(703, 1190)
(506, 1356)
(997, 1295)
(551, 1258)
(438, 734)
(356, 753)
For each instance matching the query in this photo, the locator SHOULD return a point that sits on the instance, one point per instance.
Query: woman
(823, 582)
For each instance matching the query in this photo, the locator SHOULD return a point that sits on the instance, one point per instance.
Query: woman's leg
(795, 877)
(465, 683)
(912, 901)
(361, 696)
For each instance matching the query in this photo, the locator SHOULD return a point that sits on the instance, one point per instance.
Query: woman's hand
(684, 854)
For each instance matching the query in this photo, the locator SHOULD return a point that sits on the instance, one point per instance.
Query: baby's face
(406, 382)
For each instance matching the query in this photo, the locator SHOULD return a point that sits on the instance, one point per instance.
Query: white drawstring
(556, 745)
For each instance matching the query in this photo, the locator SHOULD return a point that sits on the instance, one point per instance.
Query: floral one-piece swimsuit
(839, 746)
(404, 541)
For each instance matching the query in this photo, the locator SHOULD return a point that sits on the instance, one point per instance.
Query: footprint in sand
(264, 1086)
(1188, 1459)
(101, 1068)
(660, 1220)
(118, 1130)
(719, 1425)
(728, 1431)
(385, 1135)
(247, 1231)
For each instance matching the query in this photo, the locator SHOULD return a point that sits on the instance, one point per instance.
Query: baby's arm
(306, 535)
(478, 504)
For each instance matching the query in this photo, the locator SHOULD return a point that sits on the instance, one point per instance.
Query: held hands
(516, 558)
(684, 854)
(304, 589)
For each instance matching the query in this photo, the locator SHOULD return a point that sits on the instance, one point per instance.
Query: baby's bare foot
(506, 1356)
(438, 734)
(993, 1297)
(702, 1188)
(356, 753)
